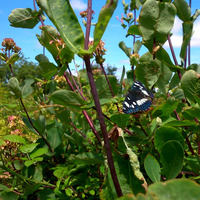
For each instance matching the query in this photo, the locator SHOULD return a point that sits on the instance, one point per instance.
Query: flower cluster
(99, 52)
(9, 46)
(15, 127)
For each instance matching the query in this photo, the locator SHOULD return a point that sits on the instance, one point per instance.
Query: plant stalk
(98, 106)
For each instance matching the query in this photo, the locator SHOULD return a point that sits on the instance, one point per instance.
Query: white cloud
(127, 61)
(177, 37)
(78, 5)
(195, 41)
(177, 28)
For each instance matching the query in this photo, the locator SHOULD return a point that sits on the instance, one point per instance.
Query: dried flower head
(83, 14)
(8, 44)
(99, 51)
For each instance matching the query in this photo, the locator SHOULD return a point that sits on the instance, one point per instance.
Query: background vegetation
(66, 137)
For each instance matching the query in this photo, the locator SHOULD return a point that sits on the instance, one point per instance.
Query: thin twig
(84, 112)
(80, 132)
(75, 83)
(29, 119)
(110, 87)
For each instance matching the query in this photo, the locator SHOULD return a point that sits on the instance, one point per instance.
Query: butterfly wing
(138, 86)
(138, 99)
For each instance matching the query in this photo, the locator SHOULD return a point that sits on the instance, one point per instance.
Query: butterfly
(137, 99)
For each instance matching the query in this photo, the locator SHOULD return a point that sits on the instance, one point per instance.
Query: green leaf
(41, 57)
(120, 119)
(30, 189)
(125, 49)
(136, 47)
(152, 168)
(163, 56)
(3, 57)
(34, 161)
(15, 138)
(165, 134)
(26, 89)
(103, 87)
(40, 124)
(135, 4)
(130, 197)
(24, 18)
(54, 134)
(28, 124)
(148, 70)
(190, 83)
(181, 123)
(13, 58)
(178, 94)
(28, 148)
(171, 156)
(121, 80)
(87, 158)
(127, 179)
(183, 10)
(155, 22)
(8, 195)
(175, 81)
(133, 30)
(13, 84)
(66, 55)
(187, 34)
(104, 17)
(5, 188)
(102, 102)
(1, 142)
(166, 108)
(68, 98)
(38, 152)
(49, 38)
(63, 115)
(38, 175)
(48, 69)
(164, 78)
(191, 113)
(196, 14)
(63, 17)
(178, 189)
(194, 163)
(194, 67)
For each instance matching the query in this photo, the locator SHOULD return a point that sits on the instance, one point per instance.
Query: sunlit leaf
(24, 18)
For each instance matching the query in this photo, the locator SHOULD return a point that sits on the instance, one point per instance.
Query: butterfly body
(137, 99)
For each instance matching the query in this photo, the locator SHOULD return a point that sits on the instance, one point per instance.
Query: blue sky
(26, 38)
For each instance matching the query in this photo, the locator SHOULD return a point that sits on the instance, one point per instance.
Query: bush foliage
(66, 137)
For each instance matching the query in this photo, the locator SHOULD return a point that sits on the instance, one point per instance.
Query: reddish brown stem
(173, 55)
(40, 17)
(29, 119)
(97, 104)
(187, 140)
